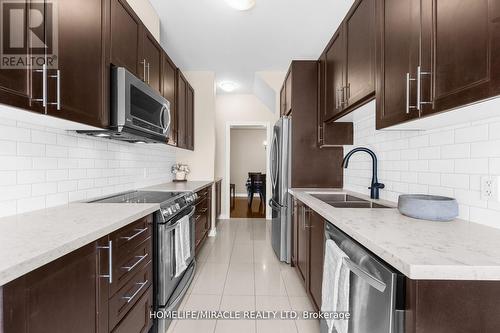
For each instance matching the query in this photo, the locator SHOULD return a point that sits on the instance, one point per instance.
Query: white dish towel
(335, 286)
(182, 240)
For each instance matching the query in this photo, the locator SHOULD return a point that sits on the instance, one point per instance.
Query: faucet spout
(375, 185)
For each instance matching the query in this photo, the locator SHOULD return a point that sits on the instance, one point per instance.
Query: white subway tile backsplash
(471, 134)
(445, 161)
(44, 167)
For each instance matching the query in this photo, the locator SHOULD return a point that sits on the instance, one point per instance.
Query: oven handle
(173, 226)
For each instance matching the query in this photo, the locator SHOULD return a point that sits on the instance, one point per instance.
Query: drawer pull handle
(197, 217)
(204, 210)
(131, 297)
(141, 259)
(139, 231)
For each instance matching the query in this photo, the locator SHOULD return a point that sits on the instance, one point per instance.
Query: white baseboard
(244, 195)
(213, 232)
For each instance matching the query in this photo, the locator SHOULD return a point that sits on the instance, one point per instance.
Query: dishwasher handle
(365, 276)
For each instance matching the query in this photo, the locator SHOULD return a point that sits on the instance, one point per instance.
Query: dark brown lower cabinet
(203, 217)
(308, 250)
(218, 198)
(316, 256)
(452, 306)
(74, 294)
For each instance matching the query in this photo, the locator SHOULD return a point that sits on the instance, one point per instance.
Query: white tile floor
(238, 270)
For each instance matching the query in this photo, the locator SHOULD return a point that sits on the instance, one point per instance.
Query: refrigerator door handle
(275, 205)
(274, 146)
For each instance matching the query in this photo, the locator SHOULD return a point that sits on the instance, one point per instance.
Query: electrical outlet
(489, 188)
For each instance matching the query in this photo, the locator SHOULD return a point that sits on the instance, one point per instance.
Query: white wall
(148, 16)
(447, 161)
(248, 154)
(43, 167)
(202, 159)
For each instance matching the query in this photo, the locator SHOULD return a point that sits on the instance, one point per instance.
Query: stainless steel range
(169, 287)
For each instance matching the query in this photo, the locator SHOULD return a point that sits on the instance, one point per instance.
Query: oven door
(165, 259)
(137, 106)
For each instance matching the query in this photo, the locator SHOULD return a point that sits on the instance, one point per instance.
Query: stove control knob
(177, 206)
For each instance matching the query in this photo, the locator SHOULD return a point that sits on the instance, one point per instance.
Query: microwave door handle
(365, 276)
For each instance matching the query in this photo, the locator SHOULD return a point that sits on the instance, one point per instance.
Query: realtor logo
(28, 36)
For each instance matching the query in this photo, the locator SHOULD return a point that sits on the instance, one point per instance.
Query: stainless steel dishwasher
(376, 292)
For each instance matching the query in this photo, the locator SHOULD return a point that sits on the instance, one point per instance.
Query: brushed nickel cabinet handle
(419, 87)
(108, 276)
(134, 265)
(143, 62)
(44, 86)
(148, 67)
(138, 232)
(408, 106)
(131, 297)
(58, 82)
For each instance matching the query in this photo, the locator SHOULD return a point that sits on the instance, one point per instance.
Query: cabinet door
(464, 54)
(303, 245)
(76, 89)
(181, 110)
(316, 225)
(126, 36)
(288, 93)
(334, 83)
(283, 100)
(152, 56)
(190, 117)
(359, 29)
(62, 296)
(398, 29)
(15, 81)
(169, 76)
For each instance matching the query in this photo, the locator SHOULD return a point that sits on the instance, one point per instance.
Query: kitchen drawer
(138, 320)
(203, 193)
(121, 303)
(128, 238)
(125, 266)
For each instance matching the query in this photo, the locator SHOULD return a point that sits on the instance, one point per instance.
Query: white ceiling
(209, 35)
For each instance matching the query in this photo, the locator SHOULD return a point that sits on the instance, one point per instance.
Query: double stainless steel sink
(342, 200)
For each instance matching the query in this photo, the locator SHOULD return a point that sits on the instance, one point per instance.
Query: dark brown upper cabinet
(15, 82)
(190, 117)
(333, 84)
(286, 95)
(181, 110)
(133, 46)
(169, 90)
(126, 38)
(427, 63)
(398, 25)
(348, 63)
(77, 88)
(151, 51)
(460, 62)
(303, 93)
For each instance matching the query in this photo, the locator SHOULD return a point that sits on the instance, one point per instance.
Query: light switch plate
(489, 188)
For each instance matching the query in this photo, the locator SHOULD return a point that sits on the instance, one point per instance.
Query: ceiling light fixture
(228, 86)
(241, 4)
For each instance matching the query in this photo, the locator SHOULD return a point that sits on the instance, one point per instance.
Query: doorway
(248, 163)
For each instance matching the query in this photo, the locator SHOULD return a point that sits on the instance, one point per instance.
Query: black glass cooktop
(142, 197)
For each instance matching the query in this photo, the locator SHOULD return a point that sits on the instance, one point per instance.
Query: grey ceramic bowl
(428, 207)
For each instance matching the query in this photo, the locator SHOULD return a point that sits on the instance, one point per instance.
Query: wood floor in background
(240, 208)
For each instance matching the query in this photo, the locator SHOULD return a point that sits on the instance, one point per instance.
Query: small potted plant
(180, 171)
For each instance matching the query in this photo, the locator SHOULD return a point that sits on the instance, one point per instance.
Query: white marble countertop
(31, 240)
(189, 186)
(456, 250)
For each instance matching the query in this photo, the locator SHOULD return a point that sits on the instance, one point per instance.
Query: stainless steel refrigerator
(280, 201)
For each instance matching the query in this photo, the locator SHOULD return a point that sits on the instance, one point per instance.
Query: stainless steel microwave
(136, 108)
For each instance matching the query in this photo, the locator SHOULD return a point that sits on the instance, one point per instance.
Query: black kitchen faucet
(376, 186)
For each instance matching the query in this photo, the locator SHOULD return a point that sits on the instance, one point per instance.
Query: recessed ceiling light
(241, 4)
(228, 86)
